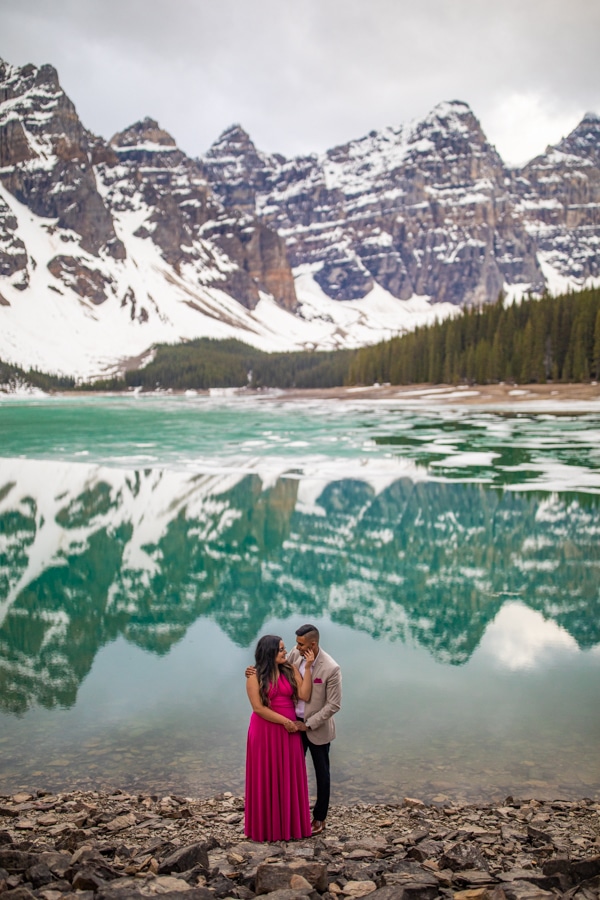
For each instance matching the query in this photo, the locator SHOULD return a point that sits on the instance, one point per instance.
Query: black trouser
(320, 758)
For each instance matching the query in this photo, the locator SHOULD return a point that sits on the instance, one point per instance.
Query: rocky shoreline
(94, 845)
(567, 398)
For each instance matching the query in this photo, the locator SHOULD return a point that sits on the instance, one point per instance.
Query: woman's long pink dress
(277, 804)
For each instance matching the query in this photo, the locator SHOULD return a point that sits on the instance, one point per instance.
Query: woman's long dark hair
(267, 670)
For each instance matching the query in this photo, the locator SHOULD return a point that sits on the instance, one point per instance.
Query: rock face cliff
(107, 247)
(85, 193)
(196, 236)
(558, 198)
(428, 208)
(46, 164)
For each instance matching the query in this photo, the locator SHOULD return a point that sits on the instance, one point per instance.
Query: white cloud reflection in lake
(521, 638)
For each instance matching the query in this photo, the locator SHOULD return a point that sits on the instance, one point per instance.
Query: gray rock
(533, 876)
(59, 885)
(583, 869)
(416, 836)
(287, 894)
(538, 836)
(463, 855)
(185, 858)
(425, 850)
(9, 811)
(235, 863)
(192, 875)
(276, 876)
(85, 854)
(18, 893)
(560, 865)
(221, 886)
(87, 879)
(523, 890)
(134, 892)
(411, 878)
(58, 863)
(409, 890)
(16, 860)
(473, 878)
(39, 874)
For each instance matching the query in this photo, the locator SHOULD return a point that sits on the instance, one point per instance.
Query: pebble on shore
(93, 845)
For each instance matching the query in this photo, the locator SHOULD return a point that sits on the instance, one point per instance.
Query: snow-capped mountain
(108, 247)
(558, 198)
(425, 209)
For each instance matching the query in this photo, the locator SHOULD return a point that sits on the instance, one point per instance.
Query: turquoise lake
(449, 556)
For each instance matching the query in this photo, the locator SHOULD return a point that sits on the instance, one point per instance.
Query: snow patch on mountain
(53, 328)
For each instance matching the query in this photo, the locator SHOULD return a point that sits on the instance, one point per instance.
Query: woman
(277, 806)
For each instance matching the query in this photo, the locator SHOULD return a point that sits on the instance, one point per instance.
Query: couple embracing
(293, 700)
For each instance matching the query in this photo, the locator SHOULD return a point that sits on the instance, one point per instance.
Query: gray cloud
(307, 75)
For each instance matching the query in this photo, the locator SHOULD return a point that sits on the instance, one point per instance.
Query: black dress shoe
(317, 826)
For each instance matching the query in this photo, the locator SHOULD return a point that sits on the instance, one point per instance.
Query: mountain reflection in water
(91, 553)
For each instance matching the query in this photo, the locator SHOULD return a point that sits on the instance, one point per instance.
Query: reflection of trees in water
(426, 561)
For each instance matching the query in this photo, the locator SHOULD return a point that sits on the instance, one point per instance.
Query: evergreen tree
(551, 338)
(536, 340)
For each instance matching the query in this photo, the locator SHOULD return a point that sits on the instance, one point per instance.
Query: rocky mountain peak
(146, 143)
(189, 224)
(453, 135)
(145, 133)
(33, 102)
(140, 185)
(15, 80)
(46, 156)
(558, 197)
(454, 114)
(584, 140)
(401, 208)
(237, 170)
(234, 141)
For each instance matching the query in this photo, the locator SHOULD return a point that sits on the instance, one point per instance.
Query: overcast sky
(306, 75)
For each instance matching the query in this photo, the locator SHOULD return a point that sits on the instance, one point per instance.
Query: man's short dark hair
(310, 631)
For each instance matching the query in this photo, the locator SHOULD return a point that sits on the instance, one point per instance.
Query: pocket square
(318, 681)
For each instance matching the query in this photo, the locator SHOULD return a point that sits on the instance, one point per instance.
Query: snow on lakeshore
(20, 390)
(534, 399)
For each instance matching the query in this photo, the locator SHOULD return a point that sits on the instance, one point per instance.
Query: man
(317, 713)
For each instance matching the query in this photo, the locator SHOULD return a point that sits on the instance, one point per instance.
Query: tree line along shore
(538, 341)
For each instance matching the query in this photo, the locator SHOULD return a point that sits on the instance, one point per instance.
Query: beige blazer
(326, 697)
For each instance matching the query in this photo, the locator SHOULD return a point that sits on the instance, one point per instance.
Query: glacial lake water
(450, 557)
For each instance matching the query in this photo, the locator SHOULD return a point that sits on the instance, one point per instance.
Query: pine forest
(536, 341)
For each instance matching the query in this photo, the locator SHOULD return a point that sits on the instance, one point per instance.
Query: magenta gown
(277, 804)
